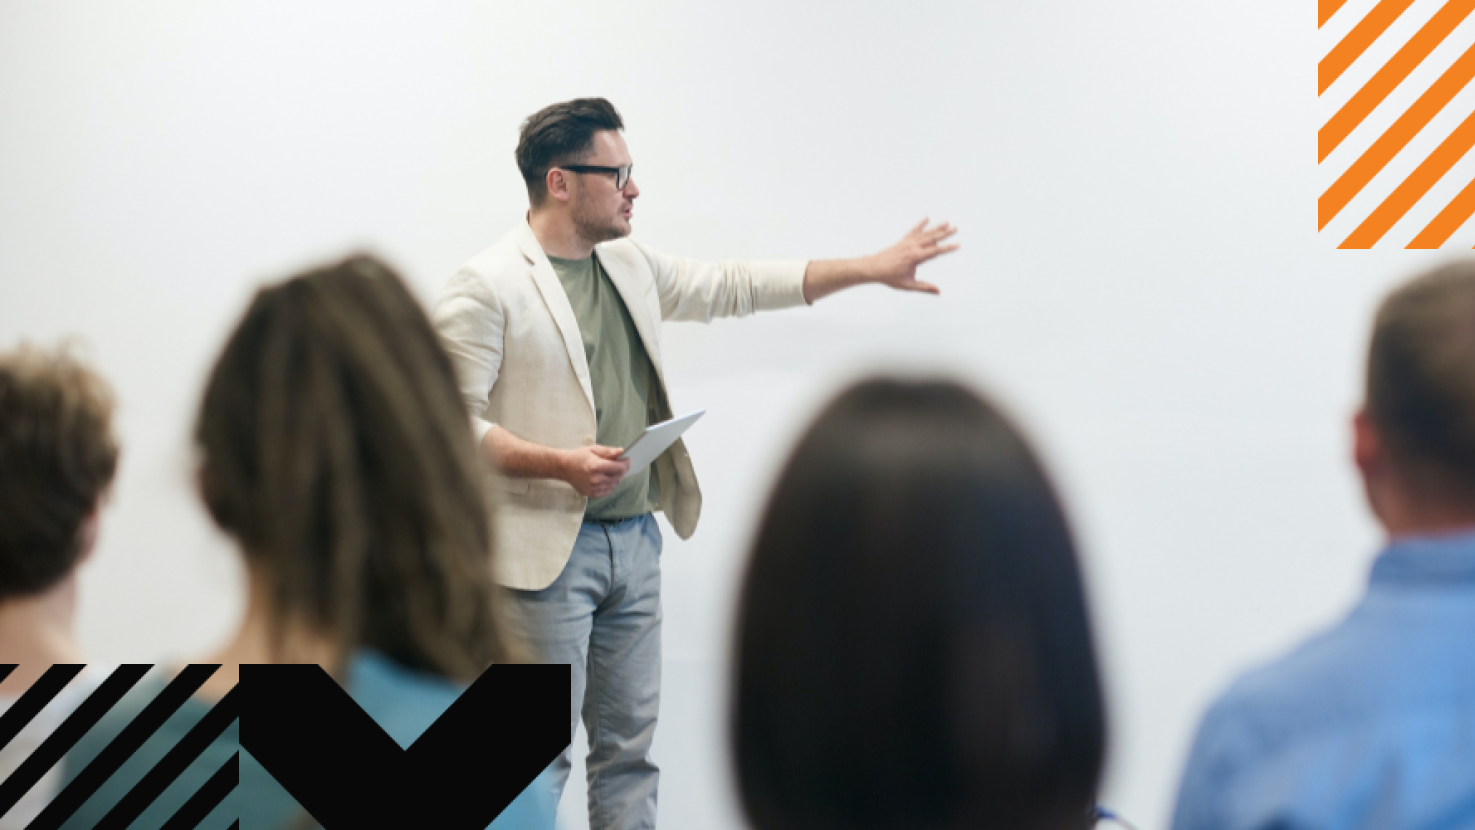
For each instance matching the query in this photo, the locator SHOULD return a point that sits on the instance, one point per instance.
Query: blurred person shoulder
(1248, 731)
(1293, 741)
(1271, 707)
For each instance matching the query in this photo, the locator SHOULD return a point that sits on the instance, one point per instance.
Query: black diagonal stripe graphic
(462, 771)
(133, 736)
(35, 699)
(71, 730)
(156, 780)
(5, 670)
(209, 794)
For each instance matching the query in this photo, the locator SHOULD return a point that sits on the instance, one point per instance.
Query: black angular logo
(304, 729)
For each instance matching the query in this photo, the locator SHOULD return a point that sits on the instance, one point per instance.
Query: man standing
(1372, 722)
(555, 332)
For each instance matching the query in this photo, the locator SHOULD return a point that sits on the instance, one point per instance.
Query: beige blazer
(509, 328)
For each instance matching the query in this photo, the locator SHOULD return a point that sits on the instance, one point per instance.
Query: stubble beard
(597, 229)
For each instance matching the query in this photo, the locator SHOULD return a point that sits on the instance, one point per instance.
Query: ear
(558, 184)
(1367, 445)
(1371, 459)
(88, 532)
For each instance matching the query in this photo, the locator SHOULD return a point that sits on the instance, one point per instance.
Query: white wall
(1141, 280)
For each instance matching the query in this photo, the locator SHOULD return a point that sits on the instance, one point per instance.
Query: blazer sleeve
(694, 291)
(470, 322)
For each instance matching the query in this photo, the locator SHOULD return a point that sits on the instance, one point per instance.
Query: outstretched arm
(896, 266)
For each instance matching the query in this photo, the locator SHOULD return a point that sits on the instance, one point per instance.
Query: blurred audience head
(335, 450)
(1415, 436)
(913, 645)
(57, 459)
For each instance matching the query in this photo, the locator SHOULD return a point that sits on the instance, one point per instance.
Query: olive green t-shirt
(621, 376)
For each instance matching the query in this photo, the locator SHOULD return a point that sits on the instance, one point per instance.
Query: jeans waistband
(613, 522)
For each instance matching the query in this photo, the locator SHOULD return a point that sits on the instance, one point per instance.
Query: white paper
(654, 441)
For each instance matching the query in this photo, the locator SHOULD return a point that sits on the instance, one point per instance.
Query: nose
(631, 189)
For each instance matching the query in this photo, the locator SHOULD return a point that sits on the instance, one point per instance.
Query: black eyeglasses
(622, 174)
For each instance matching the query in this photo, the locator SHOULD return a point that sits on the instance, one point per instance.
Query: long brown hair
(336, 451)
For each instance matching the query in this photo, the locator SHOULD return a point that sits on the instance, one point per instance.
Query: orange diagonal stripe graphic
(1448, 221)
(1414, 187)
(1356, 42)
(1396, 138)
(1328, 8)
(1390, 75)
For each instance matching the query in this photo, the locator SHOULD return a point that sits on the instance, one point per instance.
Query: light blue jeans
(602, 617)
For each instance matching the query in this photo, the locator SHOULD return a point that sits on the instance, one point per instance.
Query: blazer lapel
(633, 293)
(563, 313)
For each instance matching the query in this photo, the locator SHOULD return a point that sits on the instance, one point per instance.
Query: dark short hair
(913, 646)
(1421, 379)
(334, 448)
(57, 457)
(559, 134)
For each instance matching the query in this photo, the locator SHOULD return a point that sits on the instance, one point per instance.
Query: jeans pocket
(652, 531)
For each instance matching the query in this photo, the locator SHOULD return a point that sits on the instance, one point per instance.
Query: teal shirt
(620, 373)
(404, 702)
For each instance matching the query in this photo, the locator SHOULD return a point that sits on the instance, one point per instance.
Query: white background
(1141, 281)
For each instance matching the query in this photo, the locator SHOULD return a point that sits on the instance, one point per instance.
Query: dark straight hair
(336, 451)
(913, 645)
(559, 134)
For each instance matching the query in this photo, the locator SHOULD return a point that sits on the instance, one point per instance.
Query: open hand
(897, 266)
(594, 471)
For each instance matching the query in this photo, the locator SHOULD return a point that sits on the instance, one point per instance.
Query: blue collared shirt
(1370, 724)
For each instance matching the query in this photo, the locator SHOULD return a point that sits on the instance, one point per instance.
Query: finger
(936, 251)
(920, 225)
(924, 287)
(610, 477)
(606, 452)
(938, 235)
